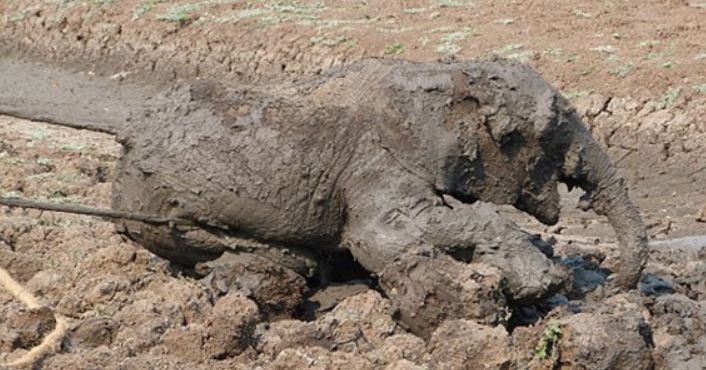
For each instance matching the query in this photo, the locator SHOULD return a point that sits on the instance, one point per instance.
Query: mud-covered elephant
(382, 158)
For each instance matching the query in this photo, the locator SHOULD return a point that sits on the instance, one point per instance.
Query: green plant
(648, 43)
(581, 13)
(457, 35)
(608, 49)
(11, 194)
(576, 94)
(144, 7)
(669, 97)
(294, 7)
(413, 10)
(700, 89)
(549, 344)
(394, 48)
(623, 70)
(44, 161)
(18, 17)
(452, 3)
(447, 49)
(38, 134)
(56, 194)
(179, 13)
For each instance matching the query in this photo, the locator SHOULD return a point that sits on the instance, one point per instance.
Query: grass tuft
(144, 7)
(669, 98)
(394, 48)
(179, 13)
(549, 344)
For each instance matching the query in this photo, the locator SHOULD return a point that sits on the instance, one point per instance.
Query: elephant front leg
(426, 255)
(477, 232)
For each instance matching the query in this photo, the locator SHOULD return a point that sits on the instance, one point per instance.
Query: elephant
(394, 162)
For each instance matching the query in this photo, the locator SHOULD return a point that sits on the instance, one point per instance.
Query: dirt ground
(635, 71)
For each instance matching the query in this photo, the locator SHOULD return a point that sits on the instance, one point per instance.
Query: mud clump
(677, 323)
(24, 328)
(431, 288)
(230, 326)
(464, 344)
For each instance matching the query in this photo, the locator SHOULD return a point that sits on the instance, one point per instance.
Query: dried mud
(130, 309)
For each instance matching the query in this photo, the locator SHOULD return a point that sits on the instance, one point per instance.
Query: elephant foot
(530, 275)
(428, 287)
(275, 279)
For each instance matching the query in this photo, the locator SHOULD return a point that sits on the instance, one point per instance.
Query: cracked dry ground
(636, 83)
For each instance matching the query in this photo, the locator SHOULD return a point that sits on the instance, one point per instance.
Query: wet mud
(272, 283)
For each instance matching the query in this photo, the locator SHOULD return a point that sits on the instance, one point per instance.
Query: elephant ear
(413, 125)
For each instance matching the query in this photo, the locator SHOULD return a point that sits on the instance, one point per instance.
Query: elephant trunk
(588, 166)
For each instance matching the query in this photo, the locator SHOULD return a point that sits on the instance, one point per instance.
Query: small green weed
(552, 53)
(19, 16)
(179, 13)
(504, 21)
(648, 43)
(45, 162)
(449, 39)
(394, 29)
(623, 70)
(294, 7)
(452, 3)
(11, 194)
(38, 134)
(580, 13)
(576, 94)
(394, 48)
(144, 7)
(414, 10)
(53, 264)
(447, 49)
(700, 89)
(457, 35)
(669, 98)
(608, 49)
(549, 344)
(56, 194)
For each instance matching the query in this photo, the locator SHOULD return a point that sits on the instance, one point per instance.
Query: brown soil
(615, 48)
(635, 72)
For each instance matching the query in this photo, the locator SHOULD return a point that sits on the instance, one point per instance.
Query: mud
(603, 47)
(130, 309)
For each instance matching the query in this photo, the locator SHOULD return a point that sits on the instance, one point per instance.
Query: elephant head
(525, 140)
